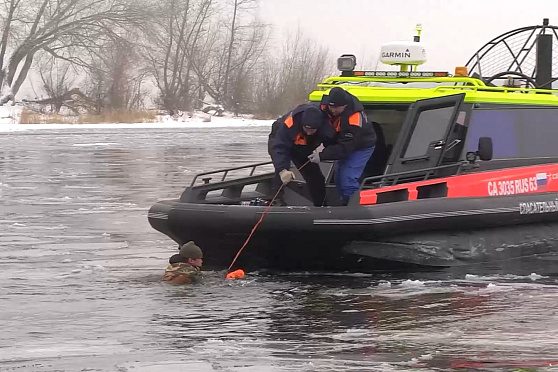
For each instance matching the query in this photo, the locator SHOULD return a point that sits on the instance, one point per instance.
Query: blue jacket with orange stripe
(353, 130)
(287, 132)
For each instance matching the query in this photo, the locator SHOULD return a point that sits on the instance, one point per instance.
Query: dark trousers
(311, 172)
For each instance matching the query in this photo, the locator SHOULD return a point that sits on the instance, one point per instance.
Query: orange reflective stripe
(300, 139)
(289, 121)
(335, 123)
(355, 119)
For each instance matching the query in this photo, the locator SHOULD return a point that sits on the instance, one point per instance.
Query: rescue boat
(465, 173)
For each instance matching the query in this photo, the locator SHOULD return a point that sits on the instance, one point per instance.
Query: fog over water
(81, 290)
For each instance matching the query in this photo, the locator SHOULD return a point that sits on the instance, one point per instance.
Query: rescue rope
(260, 221)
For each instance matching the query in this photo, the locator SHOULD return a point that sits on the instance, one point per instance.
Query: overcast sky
(452, 30)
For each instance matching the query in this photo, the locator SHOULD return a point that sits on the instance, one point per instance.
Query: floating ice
(385, 284)
(412, 283)
(95, 144)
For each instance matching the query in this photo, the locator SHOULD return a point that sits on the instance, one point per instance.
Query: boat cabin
(432, 126)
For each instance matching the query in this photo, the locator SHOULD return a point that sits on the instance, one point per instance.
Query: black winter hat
(337, 97)
(177, 258)
(312, 117)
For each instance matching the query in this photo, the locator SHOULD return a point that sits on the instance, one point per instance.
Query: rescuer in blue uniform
(353, 143)
(293, 137)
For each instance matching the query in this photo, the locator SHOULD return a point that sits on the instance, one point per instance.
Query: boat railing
(226, 173)
(335, 80)
(253, 183)
(496, 89)
(391, 179)
(233, 190)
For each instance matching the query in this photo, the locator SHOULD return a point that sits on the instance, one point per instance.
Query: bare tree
(95, 86)
(244, 69)
(285, 81)
(233, 48)
(62, 28)
(115, 78)
(125, 76)
(57, 80)
(175, 43)
(7, 13)
(234, 31)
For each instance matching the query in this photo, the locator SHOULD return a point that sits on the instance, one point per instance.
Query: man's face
(336, 110)
(198, 262)
(308, 130)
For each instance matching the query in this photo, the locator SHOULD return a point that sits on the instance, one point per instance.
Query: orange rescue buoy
(237, 274)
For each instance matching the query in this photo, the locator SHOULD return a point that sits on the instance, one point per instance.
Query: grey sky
(452, 30)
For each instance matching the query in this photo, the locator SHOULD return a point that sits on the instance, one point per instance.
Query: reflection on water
(81, 267)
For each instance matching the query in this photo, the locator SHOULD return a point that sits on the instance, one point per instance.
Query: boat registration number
(511, 187)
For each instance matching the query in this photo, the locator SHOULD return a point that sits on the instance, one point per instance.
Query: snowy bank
(9, 122)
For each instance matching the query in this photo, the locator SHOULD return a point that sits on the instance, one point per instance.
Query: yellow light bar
(400, 74)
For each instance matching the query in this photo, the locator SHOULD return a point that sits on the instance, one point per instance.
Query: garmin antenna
(418, 29)
(408, 55)
(416, 38)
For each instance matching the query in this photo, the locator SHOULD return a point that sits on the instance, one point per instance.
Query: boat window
(515, 132)
(390, 120)
(431, 125)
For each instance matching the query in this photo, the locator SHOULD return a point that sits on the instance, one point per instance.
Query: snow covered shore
(9, 122)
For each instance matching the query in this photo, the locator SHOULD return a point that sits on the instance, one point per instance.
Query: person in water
(353, 142)
(293, 137)
(185, 267)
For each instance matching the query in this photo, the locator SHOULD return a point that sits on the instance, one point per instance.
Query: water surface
(80, 271)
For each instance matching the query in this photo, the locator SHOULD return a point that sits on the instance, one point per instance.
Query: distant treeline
(96, 55)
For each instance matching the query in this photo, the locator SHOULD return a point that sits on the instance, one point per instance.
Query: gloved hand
(314, 157)
(286, 176)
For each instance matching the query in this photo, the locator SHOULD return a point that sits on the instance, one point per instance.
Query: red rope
(259, 221)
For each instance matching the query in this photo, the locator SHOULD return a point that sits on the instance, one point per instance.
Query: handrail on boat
(227, 170)
(496, 89)
(330, 81)
(425, 173)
